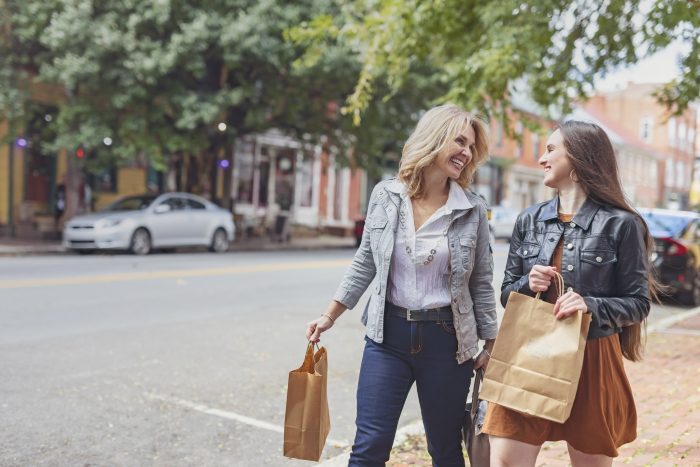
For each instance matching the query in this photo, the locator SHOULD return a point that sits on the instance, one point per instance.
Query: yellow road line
(182, 273)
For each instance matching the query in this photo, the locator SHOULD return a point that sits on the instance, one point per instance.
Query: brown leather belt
(431, 314)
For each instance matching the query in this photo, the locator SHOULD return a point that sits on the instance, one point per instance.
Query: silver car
(144, 222)
(503, 222)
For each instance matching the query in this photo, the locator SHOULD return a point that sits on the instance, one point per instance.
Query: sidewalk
(17, 247)
(666, 386)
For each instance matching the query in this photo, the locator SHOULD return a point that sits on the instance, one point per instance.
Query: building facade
(635, 109)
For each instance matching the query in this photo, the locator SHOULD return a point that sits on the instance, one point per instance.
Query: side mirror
(162, 208)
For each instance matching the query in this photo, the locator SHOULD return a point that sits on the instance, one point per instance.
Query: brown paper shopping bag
(536, 362)
(306, 420)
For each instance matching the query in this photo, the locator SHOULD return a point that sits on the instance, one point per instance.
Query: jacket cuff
(345, 297)
(523, 286)
(489, 331)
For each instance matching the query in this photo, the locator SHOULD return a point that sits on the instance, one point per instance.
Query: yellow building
(31, 179)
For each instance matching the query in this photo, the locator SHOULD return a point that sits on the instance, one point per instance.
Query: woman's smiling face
(556, 164)
(457, 154)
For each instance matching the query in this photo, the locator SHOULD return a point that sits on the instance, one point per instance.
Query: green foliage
(157, 77)
(553, 49)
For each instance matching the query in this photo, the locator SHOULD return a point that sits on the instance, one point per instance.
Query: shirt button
(525, 252)
(570, 267)
(598, 259)
(570, 246)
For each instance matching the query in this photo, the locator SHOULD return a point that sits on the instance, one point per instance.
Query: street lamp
(107, 141)
(222, 127)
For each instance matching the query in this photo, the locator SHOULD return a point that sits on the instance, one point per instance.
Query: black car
(676, 256)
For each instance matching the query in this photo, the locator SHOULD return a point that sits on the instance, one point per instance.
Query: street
(171, 359)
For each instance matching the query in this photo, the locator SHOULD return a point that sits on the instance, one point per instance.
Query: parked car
(359, 230)
(144, 222)
(502, 222)
(676, 256)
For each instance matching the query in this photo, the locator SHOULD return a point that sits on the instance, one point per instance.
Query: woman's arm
(362, 270)
(355, 281)
(481, 281)
(514, 279)
(631, 303)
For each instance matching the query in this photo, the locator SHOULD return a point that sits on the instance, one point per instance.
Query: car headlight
(107, 223)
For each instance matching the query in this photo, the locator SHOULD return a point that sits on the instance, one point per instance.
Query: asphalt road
(170, 359)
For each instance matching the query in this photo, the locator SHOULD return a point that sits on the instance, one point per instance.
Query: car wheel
(219, 241)
(141, 242)
(695, 293)
(85, 252)
(691, 297)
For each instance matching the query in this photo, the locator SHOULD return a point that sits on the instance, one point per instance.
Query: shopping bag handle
(558, 283)
(309, 365)
(478, 378)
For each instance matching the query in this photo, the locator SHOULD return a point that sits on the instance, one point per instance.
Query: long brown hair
(595, 167)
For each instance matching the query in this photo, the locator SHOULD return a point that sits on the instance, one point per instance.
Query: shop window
(645, 129)
(306, 180)
(244, 160)
(104, 181)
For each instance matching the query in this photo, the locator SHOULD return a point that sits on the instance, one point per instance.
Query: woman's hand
(540, 277)
(568, 304)
(317, 326)
(482, 360)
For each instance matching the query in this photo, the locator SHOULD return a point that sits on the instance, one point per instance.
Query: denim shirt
(471, 269)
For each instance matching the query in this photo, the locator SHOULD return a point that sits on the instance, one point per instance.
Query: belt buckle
(408, 315)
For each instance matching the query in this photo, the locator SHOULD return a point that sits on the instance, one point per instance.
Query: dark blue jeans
(423, 352)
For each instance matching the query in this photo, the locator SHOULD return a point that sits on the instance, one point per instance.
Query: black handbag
(476, 442)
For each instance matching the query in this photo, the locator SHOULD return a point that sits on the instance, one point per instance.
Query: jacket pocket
(528, 253)
(598, 257)
(466, 251)
(376, 226)
(597, 269)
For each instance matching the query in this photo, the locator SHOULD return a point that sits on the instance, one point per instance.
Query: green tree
(552, 49)
(158, 77)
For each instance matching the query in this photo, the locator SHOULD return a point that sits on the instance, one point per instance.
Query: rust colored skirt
(602, 419)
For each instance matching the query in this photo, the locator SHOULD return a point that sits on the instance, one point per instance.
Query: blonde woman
(426, 245)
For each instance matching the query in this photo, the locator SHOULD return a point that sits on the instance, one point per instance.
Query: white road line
(232, 416)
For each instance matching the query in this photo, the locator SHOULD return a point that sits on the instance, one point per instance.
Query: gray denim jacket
(471, 270)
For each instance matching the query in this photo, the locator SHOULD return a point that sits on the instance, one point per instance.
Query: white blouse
(415, 280)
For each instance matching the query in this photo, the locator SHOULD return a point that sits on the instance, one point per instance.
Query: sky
(658, 68)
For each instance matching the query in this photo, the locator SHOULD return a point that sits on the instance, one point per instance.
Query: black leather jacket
(604, 260)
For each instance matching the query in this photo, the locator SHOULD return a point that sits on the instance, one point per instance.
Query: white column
(345, 218)
(330, 192)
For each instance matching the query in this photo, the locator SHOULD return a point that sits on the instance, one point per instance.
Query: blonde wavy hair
(434, 131)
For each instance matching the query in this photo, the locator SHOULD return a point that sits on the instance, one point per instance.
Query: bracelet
(487, 352)
(329, 317)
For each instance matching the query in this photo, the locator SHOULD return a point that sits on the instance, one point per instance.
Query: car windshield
(131, 203)
(666, 225)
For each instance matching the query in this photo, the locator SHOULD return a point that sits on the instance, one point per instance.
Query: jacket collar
(456, 199)
(583, 217)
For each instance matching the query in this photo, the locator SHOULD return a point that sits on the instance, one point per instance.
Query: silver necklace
(433, 250)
